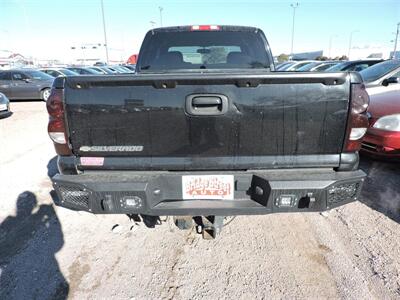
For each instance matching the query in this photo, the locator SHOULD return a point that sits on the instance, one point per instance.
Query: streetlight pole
(330, 44)
(104, 30)
(294, 6)
(350, 41)
(161, 9)
(394, 56)
(83, 55)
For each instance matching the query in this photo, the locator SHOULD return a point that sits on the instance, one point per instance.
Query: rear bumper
(160, 193)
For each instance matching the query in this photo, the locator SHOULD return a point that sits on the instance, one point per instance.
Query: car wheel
(45, 94)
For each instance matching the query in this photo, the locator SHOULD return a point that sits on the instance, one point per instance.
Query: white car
(4, 106)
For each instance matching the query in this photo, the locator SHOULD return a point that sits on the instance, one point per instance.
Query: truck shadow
(381, 190)
(28, 243)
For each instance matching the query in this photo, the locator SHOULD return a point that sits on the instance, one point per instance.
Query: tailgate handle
(206, 104)
(206, 101)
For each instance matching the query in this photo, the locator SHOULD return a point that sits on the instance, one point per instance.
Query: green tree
(283, 57)
(217, 55)
(321, 57)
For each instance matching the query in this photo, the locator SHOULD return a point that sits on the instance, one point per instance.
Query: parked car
(383, 77)
(296, 65)
(55, 72)
(130, 67)
(200, 133)
(109, 70)
(99, 69)
(25, 84)
(354, 65)
(122, 69)
(317, 66)
(84, 71)
(383, 135)
(280, 66)
(115, 70)
(4, 106)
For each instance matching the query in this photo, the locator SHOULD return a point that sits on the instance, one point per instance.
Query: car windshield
(93, 71)
(308, 67)
(119, 69)
(68, 72)
(379, 70)
(203, 50)
(286, 66)
(281, 65)
(96, 69)
(38, 75)
(324, 67)
(105, 70)
(299, 65)
(338, 67)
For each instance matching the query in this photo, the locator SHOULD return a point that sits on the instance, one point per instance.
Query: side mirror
(390, 80)
(27, 80)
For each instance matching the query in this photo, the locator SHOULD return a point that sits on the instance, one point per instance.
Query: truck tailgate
(204, 120)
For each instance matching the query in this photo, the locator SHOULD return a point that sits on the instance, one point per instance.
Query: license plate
(208, 187)
(3, 106)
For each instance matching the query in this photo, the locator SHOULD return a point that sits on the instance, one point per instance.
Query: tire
(44, 94)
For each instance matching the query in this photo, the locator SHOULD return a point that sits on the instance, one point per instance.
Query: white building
(9, 60)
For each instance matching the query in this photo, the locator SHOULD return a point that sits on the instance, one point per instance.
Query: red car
(383, 136)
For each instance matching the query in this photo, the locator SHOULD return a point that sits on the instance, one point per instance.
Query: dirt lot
(50, 252)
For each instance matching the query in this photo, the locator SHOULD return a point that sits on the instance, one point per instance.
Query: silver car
(4, 106)
(25, 84)
(383, 77)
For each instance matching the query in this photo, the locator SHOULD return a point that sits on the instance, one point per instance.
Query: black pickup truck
(206, 128)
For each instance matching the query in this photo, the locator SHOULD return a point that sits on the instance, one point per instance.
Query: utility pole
(83, 55)
(394, 56)
(294, 6)
(104, 30)
(330, 44)
(161, 9)
(350, 41)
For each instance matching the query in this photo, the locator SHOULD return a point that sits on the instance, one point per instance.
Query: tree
(216, 55)
(283, 57)
(321, 57)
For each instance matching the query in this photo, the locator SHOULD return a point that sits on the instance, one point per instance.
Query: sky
(47, 29)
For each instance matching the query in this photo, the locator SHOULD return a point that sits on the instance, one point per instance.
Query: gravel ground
(48, 252)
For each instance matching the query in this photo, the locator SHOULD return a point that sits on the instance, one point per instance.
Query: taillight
(357, 124)
(205, 27)
(56, 126)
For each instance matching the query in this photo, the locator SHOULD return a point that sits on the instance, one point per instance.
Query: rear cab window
(164, 50)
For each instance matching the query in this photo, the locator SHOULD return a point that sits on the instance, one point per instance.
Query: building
(307, 55)
(9, 60)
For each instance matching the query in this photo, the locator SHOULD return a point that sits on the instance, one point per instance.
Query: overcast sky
(48, 28)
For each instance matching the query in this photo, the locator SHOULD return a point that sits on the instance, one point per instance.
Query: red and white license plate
(208, 187)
